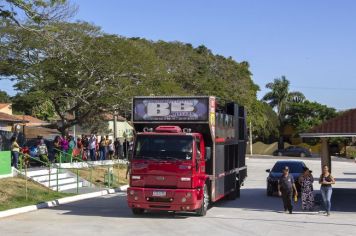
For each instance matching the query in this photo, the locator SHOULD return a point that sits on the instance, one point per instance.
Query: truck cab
(168, 166)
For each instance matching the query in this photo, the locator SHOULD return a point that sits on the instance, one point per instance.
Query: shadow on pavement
(343, 200)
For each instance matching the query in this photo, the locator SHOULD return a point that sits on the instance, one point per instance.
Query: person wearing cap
(306, 182)
(285, 189)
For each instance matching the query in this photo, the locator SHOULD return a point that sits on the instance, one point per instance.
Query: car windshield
(166, 147)
(294, 167)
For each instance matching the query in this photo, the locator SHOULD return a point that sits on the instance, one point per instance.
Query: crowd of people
(93, 148)
(85, 147)
(286, 188)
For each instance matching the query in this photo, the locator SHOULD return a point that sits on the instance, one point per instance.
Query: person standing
(43, 151)
(85, 143)
(57, 149)
(117, 145)
(326, 180)
(285, 189)
(15, 152)
(125, 147)
(92, 147)
(106, 147)
(102, 148)
(64, 144)
(1, 143)
(306, 182)
(111, 150)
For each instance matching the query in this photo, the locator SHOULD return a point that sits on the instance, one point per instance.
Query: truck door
(199, 160)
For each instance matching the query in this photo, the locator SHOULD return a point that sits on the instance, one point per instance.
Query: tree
(87, 72)
(265, 123)
(39, 12)
(280, 99)
(44, 111)
(305, 115)
(91, 74)
(4, 97)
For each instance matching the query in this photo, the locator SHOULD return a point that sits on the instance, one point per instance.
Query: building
(7, 120)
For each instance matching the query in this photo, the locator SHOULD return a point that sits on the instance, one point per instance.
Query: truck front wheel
(205, 203)
(137, 211)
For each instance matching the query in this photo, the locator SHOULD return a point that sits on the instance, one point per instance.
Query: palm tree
(279, 98)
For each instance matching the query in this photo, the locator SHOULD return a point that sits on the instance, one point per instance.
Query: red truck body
(186, 154)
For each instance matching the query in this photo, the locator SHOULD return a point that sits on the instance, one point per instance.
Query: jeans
(326, 192)
(102, 154)
(14, 159)
(92, 154)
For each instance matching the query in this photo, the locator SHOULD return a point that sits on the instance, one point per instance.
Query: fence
(95, 176)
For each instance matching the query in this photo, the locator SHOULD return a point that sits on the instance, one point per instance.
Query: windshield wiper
(171, 158)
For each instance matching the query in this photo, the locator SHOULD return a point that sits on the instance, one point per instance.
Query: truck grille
(160, 187)
(159, 199)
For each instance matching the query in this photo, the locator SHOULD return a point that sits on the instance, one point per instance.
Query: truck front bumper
(170, 199)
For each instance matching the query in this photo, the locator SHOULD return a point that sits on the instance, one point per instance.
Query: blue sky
(313, 43)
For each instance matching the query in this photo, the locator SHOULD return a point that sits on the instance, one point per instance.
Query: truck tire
(205, 203)
(236, 193)
(238, 190)
(138, 211)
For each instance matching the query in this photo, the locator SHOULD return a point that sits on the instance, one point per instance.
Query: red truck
(188, 153)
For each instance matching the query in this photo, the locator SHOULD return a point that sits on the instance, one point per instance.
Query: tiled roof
(342, 125)
(110, 117)
(10, 118)
(2, 105)
(31, 119)
(34, 132)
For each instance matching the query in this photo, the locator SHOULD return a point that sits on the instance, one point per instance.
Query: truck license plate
(159, 193)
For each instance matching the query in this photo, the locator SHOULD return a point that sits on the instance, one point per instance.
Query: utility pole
(115, 125)
(250, 138)
(74, 126)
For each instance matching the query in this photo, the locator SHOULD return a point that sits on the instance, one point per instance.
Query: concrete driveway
(253, 214)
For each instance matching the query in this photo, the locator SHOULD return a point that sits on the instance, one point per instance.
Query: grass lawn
(98, 173)
(13, 193)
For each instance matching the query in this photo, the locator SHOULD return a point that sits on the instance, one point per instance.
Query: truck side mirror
(207, 153)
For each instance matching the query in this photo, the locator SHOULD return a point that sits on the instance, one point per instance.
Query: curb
(61, 201)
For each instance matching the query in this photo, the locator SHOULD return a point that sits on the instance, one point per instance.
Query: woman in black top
(326, 180)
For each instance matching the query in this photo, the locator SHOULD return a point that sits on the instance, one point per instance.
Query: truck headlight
(185, 179)
(136, 177)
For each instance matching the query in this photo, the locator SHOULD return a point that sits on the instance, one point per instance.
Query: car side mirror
(268, 170)
(207, 153)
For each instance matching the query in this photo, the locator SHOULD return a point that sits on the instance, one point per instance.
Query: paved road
(253, 214)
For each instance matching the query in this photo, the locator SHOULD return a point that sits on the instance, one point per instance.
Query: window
(164, 147)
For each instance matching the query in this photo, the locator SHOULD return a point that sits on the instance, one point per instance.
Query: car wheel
(269, 192)
(236, 193)
(280, 154)
(137, 211)
(302, 154)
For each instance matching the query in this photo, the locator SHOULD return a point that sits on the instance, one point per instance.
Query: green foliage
(95, 125)
(88, 72)
(34, 11)
(4, 97)
(280, 97)
(305, 115)
(265, 122)
(44, 111)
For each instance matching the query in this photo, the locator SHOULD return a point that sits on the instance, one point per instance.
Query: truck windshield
(163, 147)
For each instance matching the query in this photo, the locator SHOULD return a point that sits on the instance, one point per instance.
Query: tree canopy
(87, 72)
(4, 97)
(38, 12)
